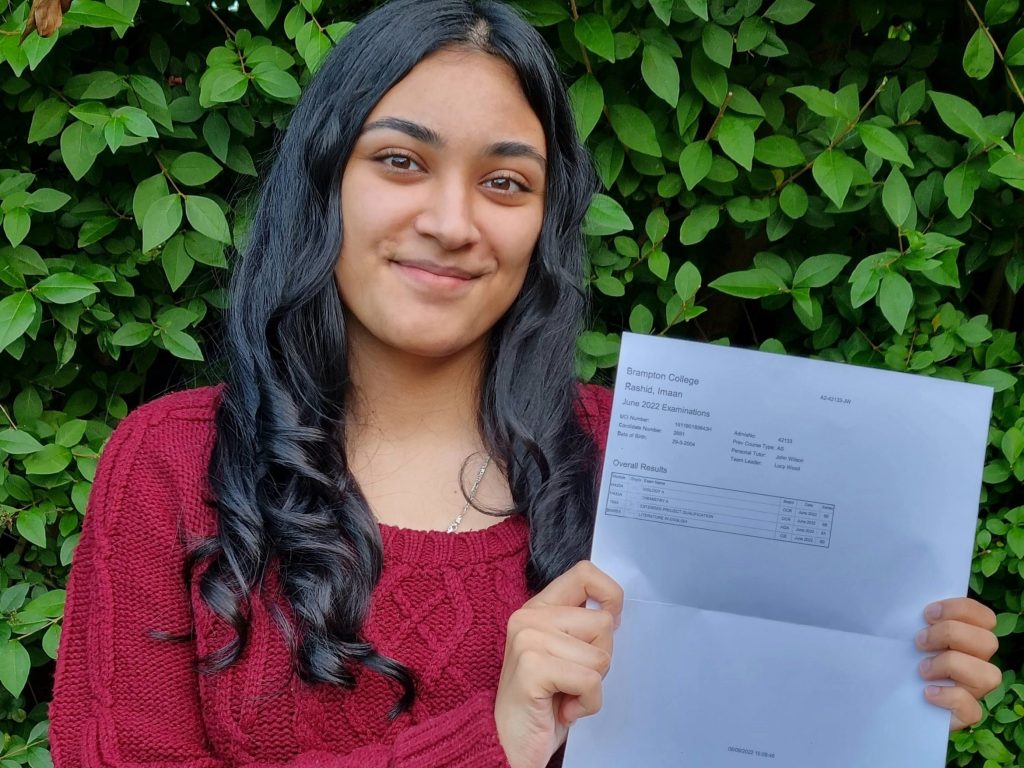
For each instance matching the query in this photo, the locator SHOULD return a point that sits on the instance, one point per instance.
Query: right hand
(557, 653)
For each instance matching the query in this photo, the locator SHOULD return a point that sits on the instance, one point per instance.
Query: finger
(584, 580)
(965, 709)
(531, 641)
(958, 636)
(589, 625)
(978, 677)
(551, 675)
(961, 609)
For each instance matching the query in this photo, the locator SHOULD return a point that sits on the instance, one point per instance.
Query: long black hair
(284, 496)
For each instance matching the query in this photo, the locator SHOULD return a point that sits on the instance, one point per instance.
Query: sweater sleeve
(123, 699)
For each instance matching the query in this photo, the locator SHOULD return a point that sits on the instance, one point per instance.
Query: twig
(228, 31)
(999, 52)
(719, 116)
(8, 417)
(837, 140)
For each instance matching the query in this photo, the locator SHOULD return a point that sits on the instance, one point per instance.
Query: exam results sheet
(778, 525)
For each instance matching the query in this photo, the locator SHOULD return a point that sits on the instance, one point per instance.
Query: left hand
(959, 632)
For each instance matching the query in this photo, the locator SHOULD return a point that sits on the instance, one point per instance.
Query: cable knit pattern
(123, 698)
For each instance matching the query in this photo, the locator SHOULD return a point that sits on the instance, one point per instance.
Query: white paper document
(778, 525)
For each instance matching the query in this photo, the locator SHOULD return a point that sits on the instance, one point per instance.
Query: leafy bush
(836, 179)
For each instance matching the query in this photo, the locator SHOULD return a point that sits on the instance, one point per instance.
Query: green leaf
(634, 129)
(595, 34)
(543, 13)
(832, 171)
(695, 163)
(661, 73)
(137, 121)
(709, 78)
(687, 282)
(895, 299)
(819, 271)
(818, 100)
(176, 262)
(736, 138)
(17, 312)
(897, 198)
(194, 168)
(163, 217)
(14, 666)
(1015, 50)
(587, 98)
(132, 334)
(79, 148)
(49, 604)
(90, 13)
(641, 320)
(47, 120)
(49, 461)
(276, 82)
(699, 223)
(980, 56)
(993, 377)
(717, 44)
(960, 185)
(793, 201)
(605, 217)
(779, 152)
(752, 32)
(46, 200)
(64, 288)
(181, 345)
(789, 11)
(146, 193)
(884, 143)
(698, 7)
(1000, 11)
(656, 225)
(663, 10)
(990, 747)
(222, 84)
(207, 217)
(1015, 541)
(1012, 444)
(609, 285)
(959, 115)
(18, 443)
(265, 11)
(750, 284)
(658, 262)
(17, 223)
(50, 643)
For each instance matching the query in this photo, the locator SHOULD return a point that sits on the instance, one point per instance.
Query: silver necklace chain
(454, 525)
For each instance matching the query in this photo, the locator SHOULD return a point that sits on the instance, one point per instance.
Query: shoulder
(156, 461)
(594, 410)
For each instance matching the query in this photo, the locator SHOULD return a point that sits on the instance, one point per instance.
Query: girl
(368, 547)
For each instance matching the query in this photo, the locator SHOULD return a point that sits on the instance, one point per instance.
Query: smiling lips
(430, 274)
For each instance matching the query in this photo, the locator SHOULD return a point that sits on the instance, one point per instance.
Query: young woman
(368, 547)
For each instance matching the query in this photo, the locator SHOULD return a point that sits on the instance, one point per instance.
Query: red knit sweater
(125, 699)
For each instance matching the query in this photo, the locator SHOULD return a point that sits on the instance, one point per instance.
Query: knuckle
(993, 678)
(604, 663)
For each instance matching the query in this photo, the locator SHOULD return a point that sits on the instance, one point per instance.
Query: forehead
(466, 96)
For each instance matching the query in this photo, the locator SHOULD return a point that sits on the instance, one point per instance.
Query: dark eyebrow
(516, 149)
(409, 128)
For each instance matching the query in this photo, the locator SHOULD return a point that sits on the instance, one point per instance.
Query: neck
(396, 396)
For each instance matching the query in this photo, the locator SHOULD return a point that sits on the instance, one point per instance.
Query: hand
(556, 656)
(960, 630)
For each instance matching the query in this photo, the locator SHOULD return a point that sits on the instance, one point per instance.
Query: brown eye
(399, 162)
(506, 185)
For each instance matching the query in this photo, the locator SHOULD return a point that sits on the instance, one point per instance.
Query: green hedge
(836, 179)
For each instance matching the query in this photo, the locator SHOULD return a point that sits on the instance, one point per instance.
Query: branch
(999, 52)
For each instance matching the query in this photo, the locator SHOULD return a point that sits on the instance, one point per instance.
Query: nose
(448, 214)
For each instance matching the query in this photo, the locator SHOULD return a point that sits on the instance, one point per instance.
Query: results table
(720, 509)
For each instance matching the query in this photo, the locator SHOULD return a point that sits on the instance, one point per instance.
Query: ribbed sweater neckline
(436, 548)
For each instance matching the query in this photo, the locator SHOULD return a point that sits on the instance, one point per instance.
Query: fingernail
(926, 665)
(933, 612)
(931, 691)
(922, 637)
